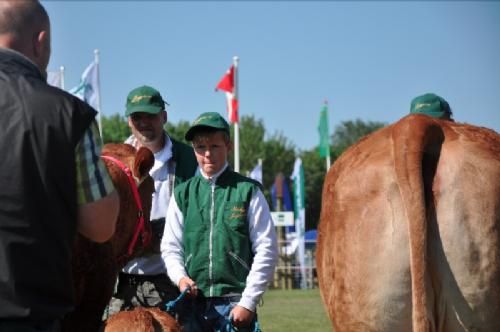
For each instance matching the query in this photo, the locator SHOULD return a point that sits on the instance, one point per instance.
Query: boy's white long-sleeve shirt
(262, 236)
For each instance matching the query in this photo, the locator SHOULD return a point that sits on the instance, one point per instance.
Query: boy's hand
(187, 282)
(242, 317)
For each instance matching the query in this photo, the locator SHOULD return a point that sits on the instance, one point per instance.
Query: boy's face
(211, 151)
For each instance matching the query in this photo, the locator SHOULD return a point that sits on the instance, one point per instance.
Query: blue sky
(368, 59)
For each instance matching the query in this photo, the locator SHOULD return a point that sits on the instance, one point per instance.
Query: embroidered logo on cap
(137, 99)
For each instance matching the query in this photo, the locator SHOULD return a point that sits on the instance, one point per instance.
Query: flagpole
(259, 162)
(61, 70)
(236, 124)
(99, 119)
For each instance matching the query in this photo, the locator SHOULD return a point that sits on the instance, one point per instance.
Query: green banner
(324, 139)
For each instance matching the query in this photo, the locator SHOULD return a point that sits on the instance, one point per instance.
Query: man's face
(211, 152)
(147, 128)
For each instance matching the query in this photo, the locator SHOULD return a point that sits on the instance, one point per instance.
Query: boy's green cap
(144, 99)
(207, 120)
(430, 104)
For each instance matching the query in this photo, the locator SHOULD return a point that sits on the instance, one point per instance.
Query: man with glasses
(144, 281)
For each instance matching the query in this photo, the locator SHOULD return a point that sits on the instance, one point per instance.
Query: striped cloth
(92, 179)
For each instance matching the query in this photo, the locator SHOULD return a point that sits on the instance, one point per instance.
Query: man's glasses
(143, 116)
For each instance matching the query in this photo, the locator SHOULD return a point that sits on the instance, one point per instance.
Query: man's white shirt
(162, 175)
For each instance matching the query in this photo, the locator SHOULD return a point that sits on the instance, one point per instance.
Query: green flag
(324, 144)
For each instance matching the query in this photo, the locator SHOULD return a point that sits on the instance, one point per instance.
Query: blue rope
(228, 327)
(170, 306)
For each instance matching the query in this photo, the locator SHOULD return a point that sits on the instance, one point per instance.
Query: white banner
(256, 173)
(300, 216)
(88, 89)
(55, 78)
(282, 218)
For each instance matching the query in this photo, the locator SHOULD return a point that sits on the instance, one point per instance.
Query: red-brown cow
(142, 320)
(95, 266)
(409, 237)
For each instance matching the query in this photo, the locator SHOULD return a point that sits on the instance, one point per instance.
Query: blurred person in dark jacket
(52, 181)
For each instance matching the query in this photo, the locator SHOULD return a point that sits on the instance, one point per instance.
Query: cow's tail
(415, 138)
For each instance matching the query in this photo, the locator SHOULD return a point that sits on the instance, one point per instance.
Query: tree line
(277, 152)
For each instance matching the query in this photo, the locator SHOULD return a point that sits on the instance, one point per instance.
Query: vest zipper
(239, 260)
(210, 246)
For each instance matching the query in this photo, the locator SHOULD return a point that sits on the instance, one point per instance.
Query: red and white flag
(228, 84)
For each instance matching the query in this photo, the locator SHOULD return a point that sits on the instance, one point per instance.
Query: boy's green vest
(217, 247)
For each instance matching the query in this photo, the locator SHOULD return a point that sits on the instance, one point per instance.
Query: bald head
(25, 27)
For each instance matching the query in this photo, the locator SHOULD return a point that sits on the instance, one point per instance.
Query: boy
(219, 237)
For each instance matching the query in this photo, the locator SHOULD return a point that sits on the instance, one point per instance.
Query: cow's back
(364, 264)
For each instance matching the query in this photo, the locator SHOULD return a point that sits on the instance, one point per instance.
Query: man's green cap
(144, 99)
(430, 104)
(208, 120)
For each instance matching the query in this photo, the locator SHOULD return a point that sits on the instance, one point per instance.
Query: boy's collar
(214, 177)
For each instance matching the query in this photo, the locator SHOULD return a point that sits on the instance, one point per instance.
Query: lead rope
(170, 306)
(139, 227)
(230, 328)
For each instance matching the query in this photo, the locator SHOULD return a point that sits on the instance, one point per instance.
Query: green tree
(314, 174)
(178, 130)
(114, 128)
(279, 157)
(252, 134)
(276, 151)
(349, 132)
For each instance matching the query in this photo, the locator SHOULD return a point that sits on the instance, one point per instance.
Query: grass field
(293, 311)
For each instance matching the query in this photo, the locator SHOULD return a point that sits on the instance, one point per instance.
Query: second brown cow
(409, 237)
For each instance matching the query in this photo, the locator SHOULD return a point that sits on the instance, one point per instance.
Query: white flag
(256, 173)
(300, 214)
(88, 90)
(55, 78)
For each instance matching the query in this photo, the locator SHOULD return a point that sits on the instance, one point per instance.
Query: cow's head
(139, 162)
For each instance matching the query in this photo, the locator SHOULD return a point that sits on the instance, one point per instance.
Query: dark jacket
(183, 154)
(41, 127)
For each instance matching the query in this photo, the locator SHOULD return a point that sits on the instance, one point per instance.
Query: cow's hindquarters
(464, 245)
(363, 253)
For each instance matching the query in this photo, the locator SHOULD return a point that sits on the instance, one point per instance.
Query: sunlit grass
(293, 311)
